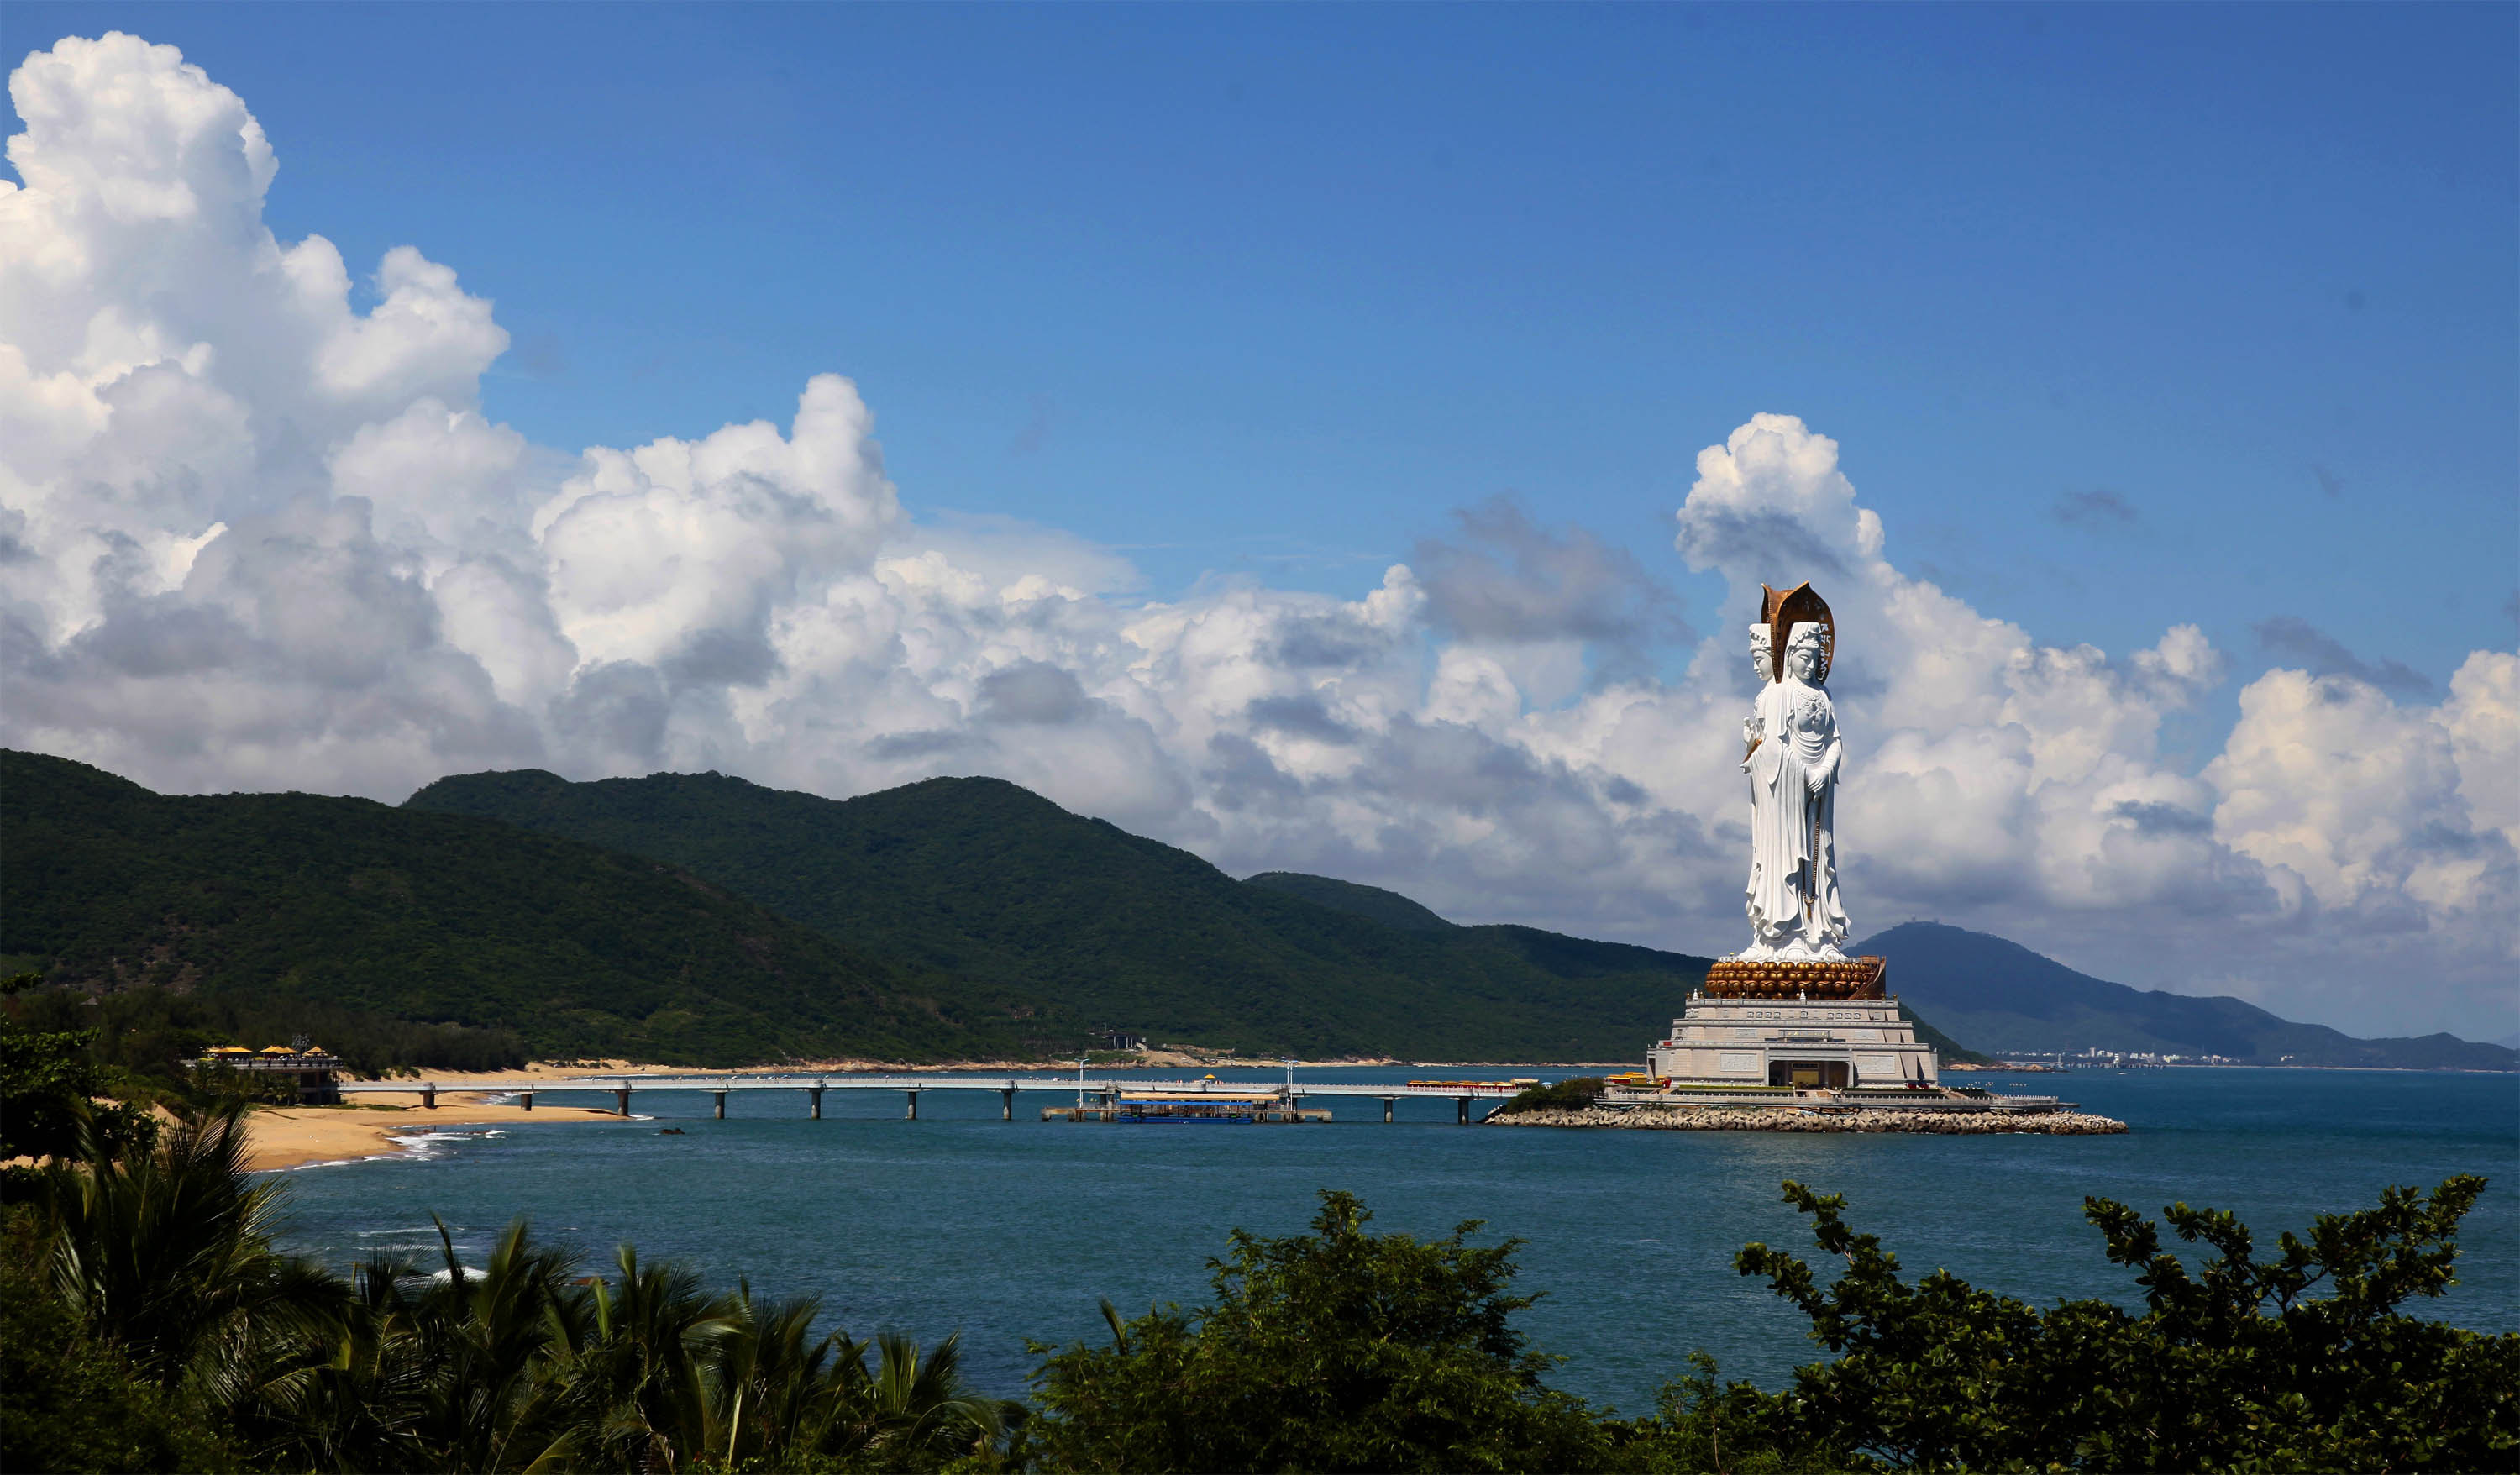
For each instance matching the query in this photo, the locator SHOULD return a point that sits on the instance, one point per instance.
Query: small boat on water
(1142, 1107)
(1517, 1083)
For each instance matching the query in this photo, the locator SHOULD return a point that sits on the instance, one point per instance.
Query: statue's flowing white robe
(1792, 894)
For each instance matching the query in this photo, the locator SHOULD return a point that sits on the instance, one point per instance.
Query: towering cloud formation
(255, 538)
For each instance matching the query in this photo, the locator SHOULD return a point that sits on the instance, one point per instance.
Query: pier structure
(1085, 1088)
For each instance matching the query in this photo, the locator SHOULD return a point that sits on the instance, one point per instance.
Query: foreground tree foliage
(2233, 1365)
(151, 1326)
(1339, 1350)
(148, 1322)
(70, 1402)
(47, 1078)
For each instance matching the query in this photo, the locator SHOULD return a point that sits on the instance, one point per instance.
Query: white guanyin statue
(1793, 759)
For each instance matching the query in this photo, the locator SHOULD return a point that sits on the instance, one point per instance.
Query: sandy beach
(292, 1136)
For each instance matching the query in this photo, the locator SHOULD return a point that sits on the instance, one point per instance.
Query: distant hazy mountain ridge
(2003, 997)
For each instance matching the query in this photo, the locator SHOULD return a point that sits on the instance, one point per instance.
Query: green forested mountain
(698, 918)
(988, 881)
(1388, 907)
(439, 916)
(2003, 997)
(703, 920)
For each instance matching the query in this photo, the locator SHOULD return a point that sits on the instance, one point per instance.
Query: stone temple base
(1792, 1042)
(1778, 978)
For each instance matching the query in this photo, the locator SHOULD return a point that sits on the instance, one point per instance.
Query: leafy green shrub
(1702, 1424)
(1339, 1350)
(46, 1078)
(68, 1402)
(2232, 1366)
(1571, 1095)
(263, 1088)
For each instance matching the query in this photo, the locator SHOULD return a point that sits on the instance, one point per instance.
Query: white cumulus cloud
(255, 537)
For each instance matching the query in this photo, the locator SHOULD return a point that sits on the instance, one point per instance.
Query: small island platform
(1794, 1119)
(1929, 1111)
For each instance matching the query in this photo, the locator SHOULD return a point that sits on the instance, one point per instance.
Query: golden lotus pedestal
(1783, 978)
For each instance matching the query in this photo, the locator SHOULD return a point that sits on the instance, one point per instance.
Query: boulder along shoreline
(1774, 1119)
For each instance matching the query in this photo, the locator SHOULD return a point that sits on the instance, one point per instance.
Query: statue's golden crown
(1780, 610)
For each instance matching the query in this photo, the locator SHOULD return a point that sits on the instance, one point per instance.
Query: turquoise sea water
(1004, 1231)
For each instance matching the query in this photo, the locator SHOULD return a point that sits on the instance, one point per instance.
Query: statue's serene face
(1802, 658)
(1759, 655)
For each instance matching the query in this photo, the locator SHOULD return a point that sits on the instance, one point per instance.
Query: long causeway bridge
(812, 1085)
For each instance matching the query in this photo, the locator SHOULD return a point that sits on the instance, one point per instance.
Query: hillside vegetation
(426, 915)
(988, 881)
(2003, 997)
(1388, 907)
(700, 919)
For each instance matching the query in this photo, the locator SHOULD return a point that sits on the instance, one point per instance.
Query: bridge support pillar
(1386, 1111)
(525, 1098)
(428, 1095)
(621, 1101)
(1462, 1110)
(816, 1094)
(1007, 1104)
(912, 1114)
(721, 1105)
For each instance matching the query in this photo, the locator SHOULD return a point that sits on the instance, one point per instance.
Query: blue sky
(2124, 315)
(2189, 334)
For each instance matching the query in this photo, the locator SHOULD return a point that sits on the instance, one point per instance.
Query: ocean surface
(1004, 1231)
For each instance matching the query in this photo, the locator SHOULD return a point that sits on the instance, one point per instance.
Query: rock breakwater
(1788, 1119)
